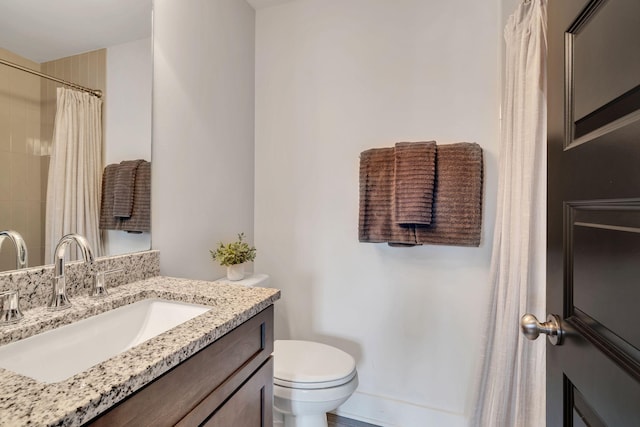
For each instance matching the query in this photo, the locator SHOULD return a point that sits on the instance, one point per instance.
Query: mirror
(97, 44)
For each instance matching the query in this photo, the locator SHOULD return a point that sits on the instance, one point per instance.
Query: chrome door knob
(531, 328)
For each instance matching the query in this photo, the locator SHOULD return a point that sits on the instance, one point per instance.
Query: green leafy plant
(234, 252)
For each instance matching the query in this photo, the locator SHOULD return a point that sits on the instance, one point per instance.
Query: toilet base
(309, 407)
(316, 420)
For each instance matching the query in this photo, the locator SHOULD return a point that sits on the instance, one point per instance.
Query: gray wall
(334, 78)
(203, 131)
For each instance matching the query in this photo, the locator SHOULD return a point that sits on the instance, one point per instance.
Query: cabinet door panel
(249, 406)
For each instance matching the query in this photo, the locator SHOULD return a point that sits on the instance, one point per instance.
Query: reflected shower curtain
(512, 384)
(75, 171)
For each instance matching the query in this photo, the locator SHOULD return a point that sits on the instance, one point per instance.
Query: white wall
(334, 78)
(127, 121)
(203, 131)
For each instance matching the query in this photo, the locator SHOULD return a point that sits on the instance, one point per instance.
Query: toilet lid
(305, 364)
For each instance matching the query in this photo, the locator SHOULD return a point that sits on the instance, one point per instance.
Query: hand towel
(414, 182)
(377, 217)
(457, 205)
(124, 188)
(140, 219)
(107, 220)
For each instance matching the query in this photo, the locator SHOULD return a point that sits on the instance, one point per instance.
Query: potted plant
(234, 255)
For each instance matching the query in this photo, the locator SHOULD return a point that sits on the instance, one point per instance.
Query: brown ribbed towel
(107, 220)
(140, 219)
(124, 188)
(414, 182)
(457, 205)
(377, 217)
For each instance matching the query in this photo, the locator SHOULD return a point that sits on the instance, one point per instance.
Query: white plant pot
(235, 272)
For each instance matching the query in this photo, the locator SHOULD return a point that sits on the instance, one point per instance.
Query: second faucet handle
(99, 289)
(9, 307)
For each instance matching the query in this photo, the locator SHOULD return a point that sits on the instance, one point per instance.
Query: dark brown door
(593, 271)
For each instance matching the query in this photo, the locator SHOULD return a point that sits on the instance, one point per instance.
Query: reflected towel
(140, 219)
(457, 205)
(377, 217)
(414, 182)
(124, 188)
(107, 220)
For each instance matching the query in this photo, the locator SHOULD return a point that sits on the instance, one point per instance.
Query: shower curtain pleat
(75, 171)
(511, 388)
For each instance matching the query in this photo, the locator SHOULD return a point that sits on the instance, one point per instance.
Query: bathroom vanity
(228, 383)
(215, 369)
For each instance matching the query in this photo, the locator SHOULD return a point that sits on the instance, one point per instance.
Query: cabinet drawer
(179, 394)
(251, 405)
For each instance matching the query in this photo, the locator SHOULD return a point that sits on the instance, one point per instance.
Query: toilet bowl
(309, 378)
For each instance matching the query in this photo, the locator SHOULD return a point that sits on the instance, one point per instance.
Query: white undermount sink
(60, 353)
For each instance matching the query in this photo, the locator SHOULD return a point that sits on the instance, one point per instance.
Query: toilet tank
(255, 280)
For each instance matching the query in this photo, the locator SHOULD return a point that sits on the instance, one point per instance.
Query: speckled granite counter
(72, 402)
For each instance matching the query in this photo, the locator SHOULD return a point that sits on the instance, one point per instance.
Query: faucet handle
(9, 307)
(99, 289)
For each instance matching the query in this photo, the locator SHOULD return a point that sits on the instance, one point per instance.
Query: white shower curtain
(75, 171)
(512, 384)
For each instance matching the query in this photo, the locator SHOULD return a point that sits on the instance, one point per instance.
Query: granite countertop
(24, 401)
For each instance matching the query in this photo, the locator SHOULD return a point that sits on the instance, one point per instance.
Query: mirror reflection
(106, 48)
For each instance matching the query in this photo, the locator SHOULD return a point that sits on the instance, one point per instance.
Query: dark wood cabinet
(250, 405)
(228, 383)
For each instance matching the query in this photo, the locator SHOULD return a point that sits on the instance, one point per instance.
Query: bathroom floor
(338, 421)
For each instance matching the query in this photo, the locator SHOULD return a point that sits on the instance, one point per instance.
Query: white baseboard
(387, 412)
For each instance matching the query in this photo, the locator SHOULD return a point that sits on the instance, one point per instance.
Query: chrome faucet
(10, 307)
(59, 299)
(22, 256)
(99, 289)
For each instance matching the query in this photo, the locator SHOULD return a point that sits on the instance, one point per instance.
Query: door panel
(601, 236)
(603, 71)
(583, 414)
(603, 384)
(593, 235)
(601, 65)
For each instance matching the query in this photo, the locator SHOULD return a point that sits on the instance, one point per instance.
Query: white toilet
(309, 378)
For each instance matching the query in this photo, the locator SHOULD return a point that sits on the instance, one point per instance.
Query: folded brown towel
(457, 205)
(124, 188)
(377, 217)
(107, 220)
(414, 181)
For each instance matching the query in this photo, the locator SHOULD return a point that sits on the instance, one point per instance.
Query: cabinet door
(251, 405)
